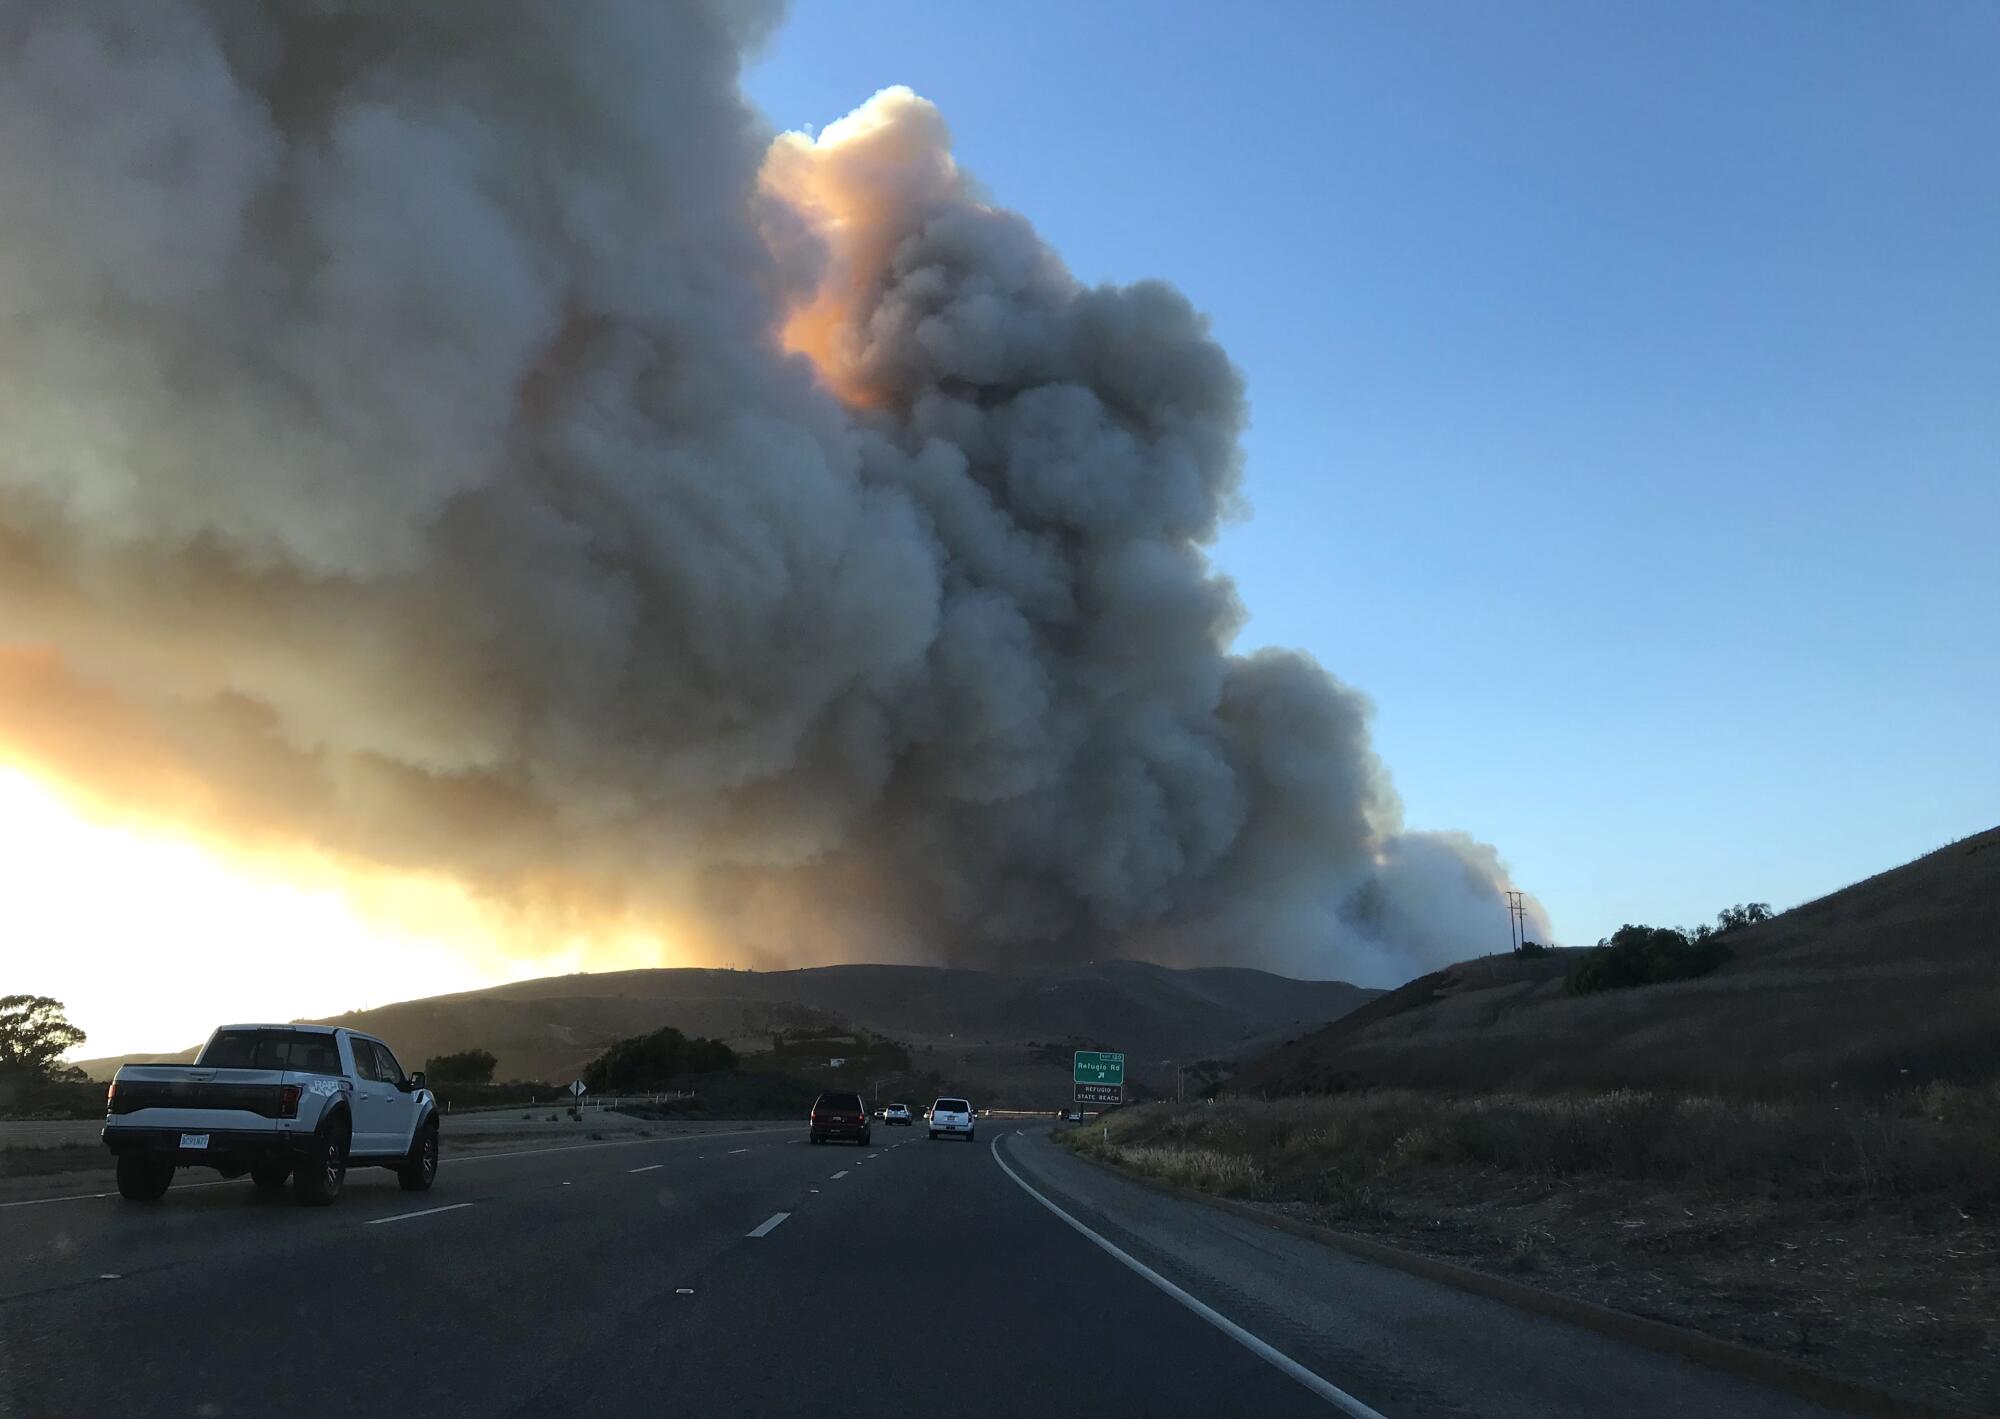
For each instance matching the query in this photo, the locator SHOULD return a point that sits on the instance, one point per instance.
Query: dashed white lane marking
(457, 1161)
(407, 1216)
(649, 1168)
(739, 1150)
(839, 1175)
(89, 1196)
(769, 1225)
(1339, 1398)
(874, 1155)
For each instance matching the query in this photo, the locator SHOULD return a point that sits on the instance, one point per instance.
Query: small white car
(952, 1118)
(897, 1113)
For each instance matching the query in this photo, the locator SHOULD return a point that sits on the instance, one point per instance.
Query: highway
(749, 1273)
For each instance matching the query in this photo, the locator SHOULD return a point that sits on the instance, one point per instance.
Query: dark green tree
(647, 1060)
(34, 1033)
(468, 1066)
(1647, 955)
(1746, 914)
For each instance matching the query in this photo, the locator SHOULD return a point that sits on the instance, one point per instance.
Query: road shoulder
(1405, 1343)
(1757, 1366)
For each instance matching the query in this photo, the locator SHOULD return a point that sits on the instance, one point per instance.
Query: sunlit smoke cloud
(463, 439)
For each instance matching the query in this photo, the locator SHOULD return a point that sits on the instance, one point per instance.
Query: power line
(1517, 920)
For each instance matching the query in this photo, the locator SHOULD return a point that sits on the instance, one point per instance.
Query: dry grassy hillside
(982, 1024)
(1894, 980)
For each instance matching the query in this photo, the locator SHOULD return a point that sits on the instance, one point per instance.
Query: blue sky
(1625, 387)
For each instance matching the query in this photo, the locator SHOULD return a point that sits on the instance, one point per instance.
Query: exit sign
(1097, 1067)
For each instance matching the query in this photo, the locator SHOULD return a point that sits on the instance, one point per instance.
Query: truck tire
(322, 1168)
(420, 1169)
(270, 1174)
(143, 1179)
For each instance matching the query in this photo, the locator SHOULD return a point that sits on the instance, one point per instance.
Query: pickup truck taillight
(288, 1101)
(110, 1095)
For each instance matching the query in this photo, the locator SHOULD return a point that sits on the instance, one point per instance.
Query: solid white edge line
(768, 1225)
(406, 1216)
(1263, 1350)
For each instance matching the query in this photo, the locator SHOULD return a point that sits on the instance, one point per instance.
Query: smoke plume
(461, 438)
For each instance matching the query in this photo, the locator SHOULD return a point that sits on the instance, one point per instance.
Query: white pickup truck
(274, 1101)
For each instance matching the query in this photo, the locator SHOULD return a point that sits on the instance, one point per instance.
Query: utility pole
(1517, 920)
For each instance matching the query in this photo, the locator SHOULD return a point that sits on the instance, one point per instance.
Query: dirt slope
(1892, 980)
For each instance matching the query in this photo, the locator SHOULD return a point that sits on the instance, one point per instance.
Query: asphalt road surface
(754, 1274)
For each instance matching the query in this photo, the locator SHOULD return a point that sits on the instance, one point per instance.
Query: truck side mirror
(414, 1082)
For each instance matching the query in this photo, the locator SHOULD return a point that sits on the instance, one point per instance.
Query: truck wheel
(421, 1170)
(143, 1179)
(270, 1174)
(323, 1167)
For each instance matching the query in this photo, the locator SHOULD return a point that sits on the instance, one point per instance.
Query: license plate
(194, 1140)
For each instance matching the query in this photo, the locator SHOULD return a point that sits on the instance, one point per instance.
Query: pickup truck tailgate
(191, 1087)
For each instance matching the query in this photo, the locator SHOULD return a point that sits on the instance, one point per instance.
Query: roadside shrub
(1347, 1151)
(1205, 1169)
(28, 1097)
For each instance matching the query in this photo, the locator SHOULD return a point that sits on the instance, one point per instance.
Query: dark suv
(839, 1116)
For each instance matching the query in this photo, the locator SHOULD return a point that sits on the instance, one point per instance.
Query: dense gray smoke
(459, 437)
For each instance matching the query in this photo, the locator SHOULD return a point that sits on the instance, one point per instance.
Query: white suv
(952, 1116)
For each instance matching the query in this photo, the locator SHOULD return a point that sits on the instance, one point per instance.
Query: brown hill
(991, 1026)
(1892, 980)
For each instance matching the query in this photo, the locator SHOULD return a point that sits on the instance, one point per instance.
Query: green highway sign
(1097, 1067)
